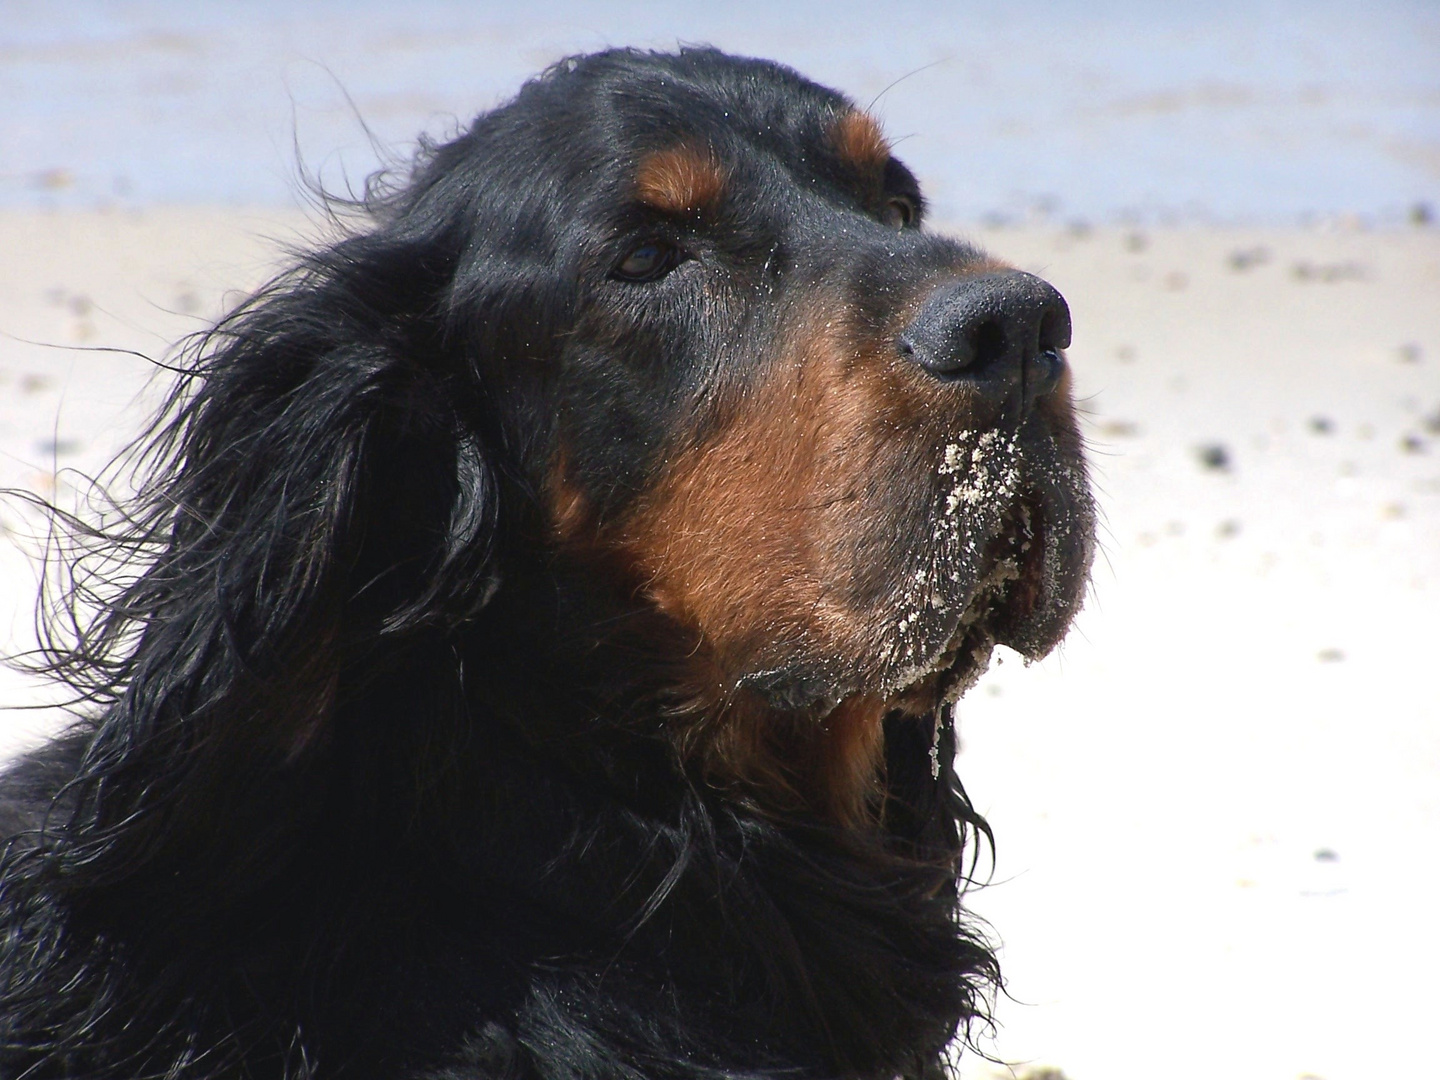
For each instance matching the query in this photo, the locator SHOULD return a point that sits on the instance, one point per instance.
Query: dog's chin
(1034, 575)
(961, 650)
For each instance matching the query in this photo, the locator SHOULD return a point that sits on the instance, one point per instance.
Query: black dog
(548, 596)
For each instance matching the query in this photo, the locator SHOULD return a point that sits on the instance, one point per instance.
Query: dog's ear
(320, 512)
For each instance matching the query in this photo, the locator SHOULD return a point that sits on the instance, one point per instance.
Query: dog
(531, 651)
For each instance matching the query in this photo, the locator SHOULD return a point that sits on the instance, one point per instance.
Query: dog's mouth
(1004, 597)
(1007, 571)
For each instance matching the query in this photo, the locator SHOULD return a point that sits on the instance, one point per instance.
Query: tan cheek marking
(860, 142)
(740, 540)
(736, 539)
(683, 179)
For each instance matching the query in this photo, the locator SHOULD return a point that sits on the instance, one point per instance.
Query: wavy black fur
(358, 789)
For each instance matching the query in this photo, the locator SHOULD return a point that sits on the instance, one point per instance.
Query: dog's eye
(897, 212)
(649, 261)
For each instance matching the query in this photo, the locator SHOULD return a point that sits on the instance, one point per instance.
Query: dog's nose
(1000, 332)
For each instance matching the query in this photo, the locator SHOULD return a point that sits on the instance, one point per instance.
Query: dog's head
(654, 383)
(836, 452)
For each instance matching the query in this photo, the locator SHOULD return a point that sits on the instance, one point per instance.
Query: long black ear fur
(319, 515)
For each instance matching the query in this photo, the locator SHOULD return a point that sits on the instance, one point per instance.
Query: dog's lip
(956, 669)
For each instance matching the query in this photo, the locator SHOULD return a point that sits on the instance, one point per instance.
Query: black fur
(368, 781)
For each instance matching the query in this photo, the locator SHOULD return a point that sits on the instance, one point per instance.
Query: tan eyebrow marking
(860, 142)
(683, 179)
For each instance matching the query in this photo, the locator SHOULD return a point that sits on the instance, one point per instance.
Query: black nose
(1001, 332)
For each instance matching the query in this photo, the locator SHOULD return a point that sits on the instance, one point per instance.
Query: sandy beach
(1215, 806)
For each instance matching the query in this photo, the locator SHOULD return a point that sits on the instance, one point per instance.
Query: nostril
(987, 342)
(905, 346)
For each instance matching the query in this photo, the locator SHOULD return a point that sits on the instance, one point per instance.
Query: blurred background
(1095, 110)
(1217, 807)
